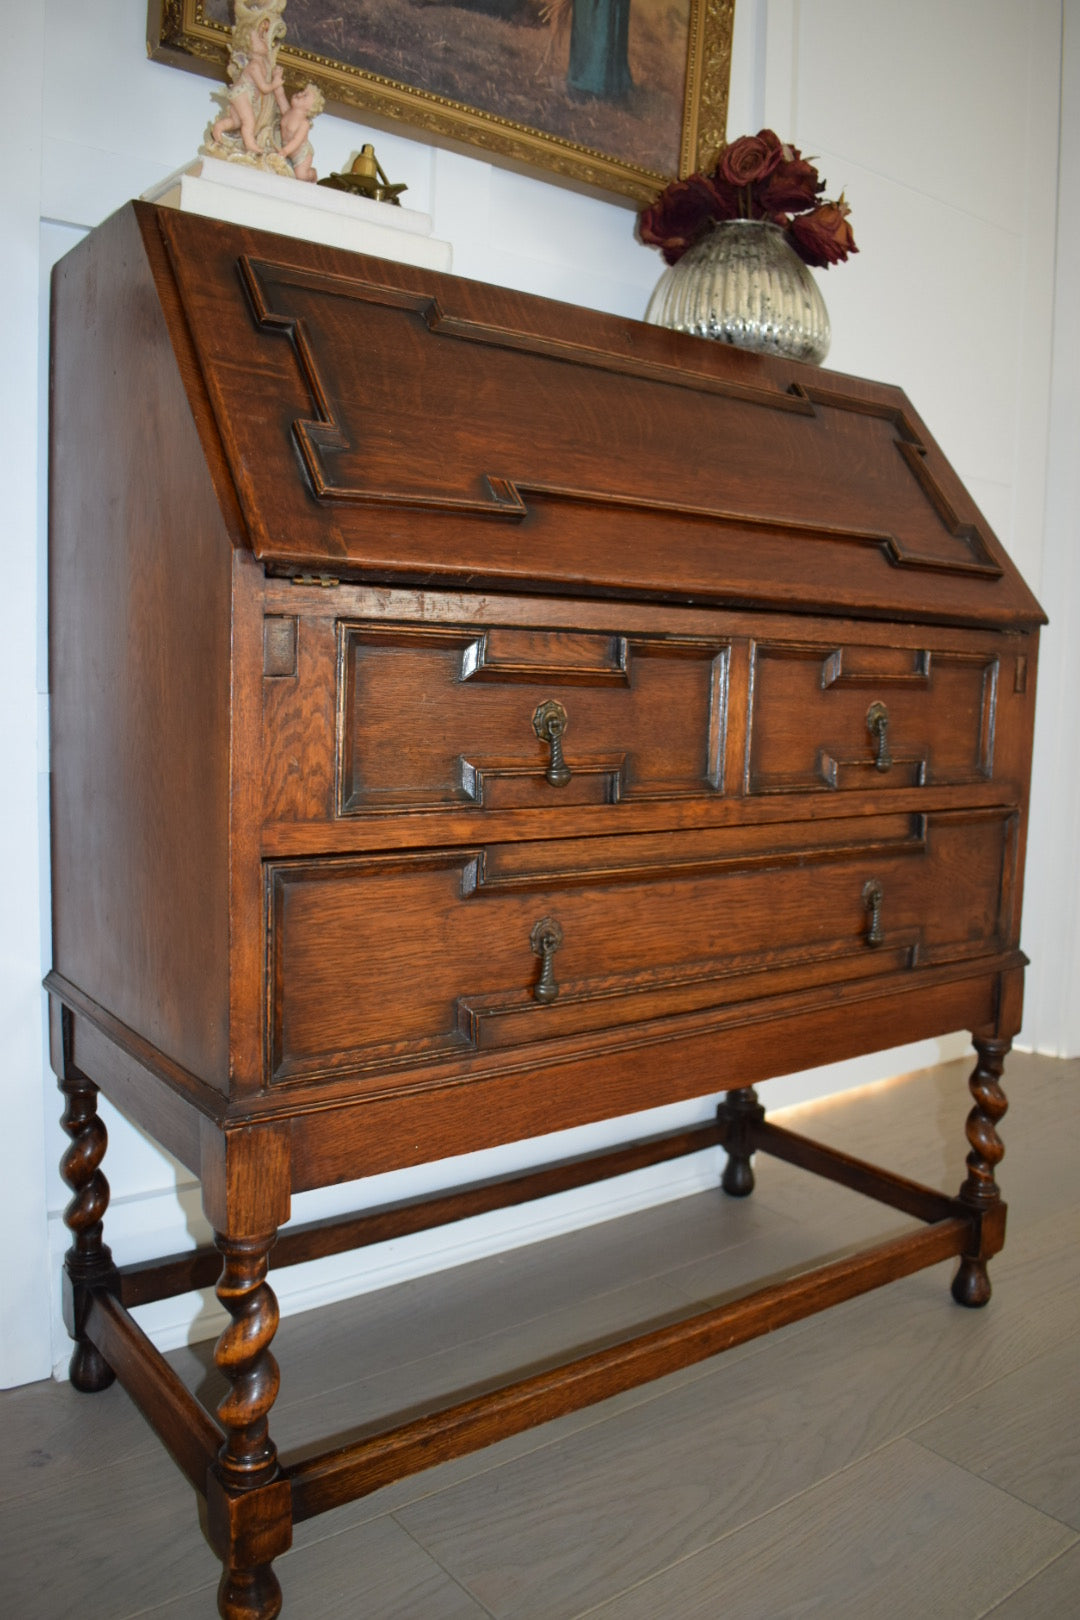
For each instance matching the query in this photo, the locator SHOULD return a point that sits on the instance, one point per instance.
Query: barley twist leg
(247, 1461)
(88, 1261)
(971, 1285)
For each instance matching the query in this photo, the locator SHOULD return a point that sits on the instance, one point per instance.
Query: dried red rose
(730, 201)
(756, 177)
(824, 236)
(750, 158)
(792, 187)
(681, 215)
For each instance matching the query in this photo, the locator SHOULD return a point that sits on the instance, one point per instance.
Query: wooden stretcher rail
(200, 1268)
(184, 1426)
(869, 1179)
(353, 1470)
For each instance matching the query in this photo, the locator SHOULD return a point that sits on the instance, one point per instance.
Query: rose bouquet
(755, 177)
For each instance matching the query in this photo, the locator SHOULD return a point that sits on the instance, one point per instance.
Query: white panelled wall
(940, 119)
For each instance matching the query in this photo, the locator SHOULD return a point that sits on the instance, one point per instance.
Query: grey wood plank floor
(896, 1454)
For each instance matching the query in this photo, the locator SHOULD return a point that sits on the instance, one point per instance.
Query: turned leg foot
(249, 1594)
(88, 1262)
(739, 1113)
(88, 1371)
(738, 1177)
(971, 1285)
(247, 1500)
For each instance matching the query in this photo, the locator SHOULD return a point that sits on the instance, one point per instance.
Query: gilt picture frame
(618, 96)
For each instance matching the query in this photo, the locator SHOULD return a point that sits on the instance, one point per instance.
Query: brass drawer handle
(545, 940)
(873, 895)
(549, 723)
(877, 723)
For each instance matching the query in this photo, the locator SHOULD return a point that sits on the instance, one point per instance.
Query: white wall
(1053, 887)
(24, 1313)
(939, 118)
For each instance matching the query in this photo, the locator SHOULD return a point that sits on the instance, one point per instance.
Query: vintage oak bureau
(473, 717)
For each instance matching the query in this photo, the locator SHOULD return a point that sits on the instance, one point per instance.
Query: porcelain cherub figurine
(259, 126)
(296, 117)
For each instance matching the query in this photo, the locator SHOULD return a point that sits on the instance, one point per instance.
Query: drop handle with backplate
(877, 724)
(545, 940)
(873, 896)
(549, 723)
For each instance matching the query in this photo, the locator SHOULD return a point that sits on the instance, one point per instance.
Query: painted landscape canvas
(608, 75)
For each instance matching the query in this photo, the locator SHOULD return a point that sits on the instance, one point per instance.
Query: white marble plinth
(244, 196)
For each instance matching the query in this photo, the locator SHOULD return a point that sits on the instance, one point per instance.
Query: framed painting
(618, 95)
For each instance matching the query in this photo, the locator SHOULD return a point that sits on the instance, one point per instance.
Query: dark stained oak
(475, 717)
(353, 1470)
(740, 1117)
(312, 1240)
(193, 1438)
(971, 1285)
(88, 1262)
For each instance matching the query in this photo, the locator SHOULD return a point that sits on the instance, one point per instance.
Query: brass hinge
(325, 580)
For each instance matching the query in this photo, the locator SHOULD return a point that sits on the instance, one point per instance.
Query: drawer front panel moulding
(407, 755)
(435, 718)
(444, 944)
(860, 717)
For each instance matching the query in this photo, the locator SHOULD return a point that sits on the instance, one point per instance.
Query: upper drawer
(432, 718)
(826, 716)
(369, 716)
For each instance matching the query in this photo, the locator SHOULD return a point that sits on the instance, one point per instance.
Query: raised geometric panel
(432, 718)
(868, 718)
(395, 960)
(386, 423)
(363, 419)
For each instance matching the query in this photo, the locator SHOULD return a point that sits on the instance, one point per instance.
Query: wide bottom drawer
(399, 959)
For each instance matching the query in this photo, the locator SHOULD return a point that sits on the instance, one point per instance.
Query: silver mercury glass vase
(745, 285)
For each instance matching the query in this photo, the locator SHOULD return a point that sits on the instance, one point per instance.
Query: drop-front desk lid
(385, 422)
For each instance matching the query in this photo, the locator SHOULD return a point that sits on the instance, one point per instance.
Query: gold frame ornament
(180, 32)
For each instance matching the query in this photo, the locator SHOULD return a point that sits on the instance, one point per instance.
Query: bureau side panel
(139, 610)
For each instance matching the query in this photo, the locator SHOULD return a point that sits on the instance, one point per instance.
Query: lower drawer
(383, 962)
